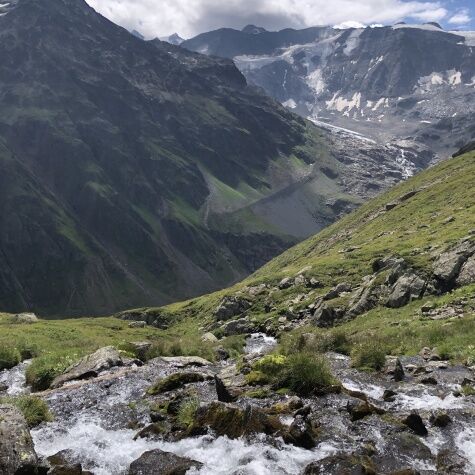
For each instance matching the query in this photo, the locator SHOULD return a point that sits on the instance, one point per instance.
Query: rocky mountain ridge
(135, 172)
(411, 82)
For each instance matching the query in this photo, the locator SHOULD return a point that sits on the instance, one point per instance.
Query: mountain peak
(174, 39)
(253, 30)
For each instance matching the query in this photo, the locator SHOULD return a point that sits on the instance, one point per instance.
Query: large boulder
(467, 273)
(327, 316)
(229, 420)
(90, 366)
(407, 288)
(240, 326)
(449, 264)
(159, 462)
(17, 452)
(25, 318)
(231, 306)
(340, 464)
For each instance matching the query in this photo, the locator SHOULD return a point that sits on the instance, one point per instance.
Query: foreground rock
(162, 463)
(90, 366)
(25, 318)
(17, 452)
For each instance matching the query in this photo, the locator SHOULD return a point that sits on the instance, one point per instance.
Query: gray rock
(90, 366)
(139, 324)
(25, 318)
(183, 361)
(140, 349)
(407, 288)
(17, 453)
(209, 338)
(337, 291)
(238, 327)
(326, 316)
(467, 273)
(415, 423)
(448, 265)
(394, 368)
(231, 306)
(286, 283)
(159, 462)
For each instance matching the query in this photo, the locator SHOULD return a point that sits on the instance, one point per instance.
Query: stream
(92, 419)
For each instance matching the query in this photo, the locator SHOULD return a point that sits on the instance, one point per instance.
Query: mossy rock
(176, 381)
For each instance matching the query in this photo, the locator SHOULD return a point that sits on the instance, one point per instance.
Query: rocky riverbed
(412, 417)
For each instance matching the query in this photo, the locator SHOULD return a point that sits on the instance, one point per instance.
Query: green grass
(368, 356)
(187, 411)
(9, 357)
(34, 409)
(416, 230)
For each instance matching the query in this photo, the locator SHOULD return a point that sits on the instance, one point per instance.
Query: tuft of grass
(42, 371)
(305, 374)
(187, 411)
(34, 409)
(369, 356)
(9, 357)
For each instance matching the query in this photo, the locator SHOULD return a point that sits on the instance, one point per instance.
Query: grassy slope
(407, 230)
(415, 230)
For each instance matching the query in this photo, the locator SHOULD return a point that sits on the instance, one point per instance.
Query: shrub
(255, 378)
(370, 356)
(187, 411)
(305, 374)
(9, 357)
(270, 364)
(34, 409)
(336, 341)
(42, 371)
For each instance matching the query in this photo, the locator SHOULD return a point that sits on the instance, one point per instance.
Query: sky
(158, 18)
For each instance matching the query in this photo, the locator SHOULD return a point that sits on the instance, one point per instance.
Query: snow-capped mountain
(395, 82)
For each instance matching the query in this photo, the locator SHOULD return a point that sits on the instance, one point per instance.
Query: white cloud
(462, 17)
(190, 17)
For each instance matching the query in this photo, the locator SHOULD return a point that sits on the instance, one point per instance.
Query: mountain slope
(414, 242)
(139, 173)
(402, 82)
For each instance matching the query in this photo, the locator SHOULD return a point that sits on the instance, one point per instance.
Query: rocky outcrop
(407, 288)
(449, 264)
(90, 366)
(240, 326)
(162, 463)
(25, 318)
(231, 306)
(17, 452)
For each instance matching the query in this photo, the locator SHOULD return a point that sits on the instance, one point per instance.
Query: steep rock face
(137, 173)
(406, 81)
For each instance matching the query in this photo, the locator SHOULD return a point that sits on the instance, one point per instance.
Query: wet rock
(341, 464)
(222, 354)
(17, 452)
(360, 409)
(177, 381)
(226, 419)
(440, 419)
(138, 324)
(301, 433)
(429, 380)
(415, 423)
(162, 463)
(184, 361)
(140, 349)
(25, 318)
(407, 288)
(389, 395)
(231, 306)
(450, 463)
(430, 354)
(222, 392)
(90, 366)
(449, 264)
(209, 338)
(288, 406)
(232, 381)
(394, 368)
(61, 464)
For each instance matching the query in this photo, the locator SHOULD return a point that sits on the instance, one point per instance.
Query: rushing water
(110, 452)
(260, 343)
(15, 379)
